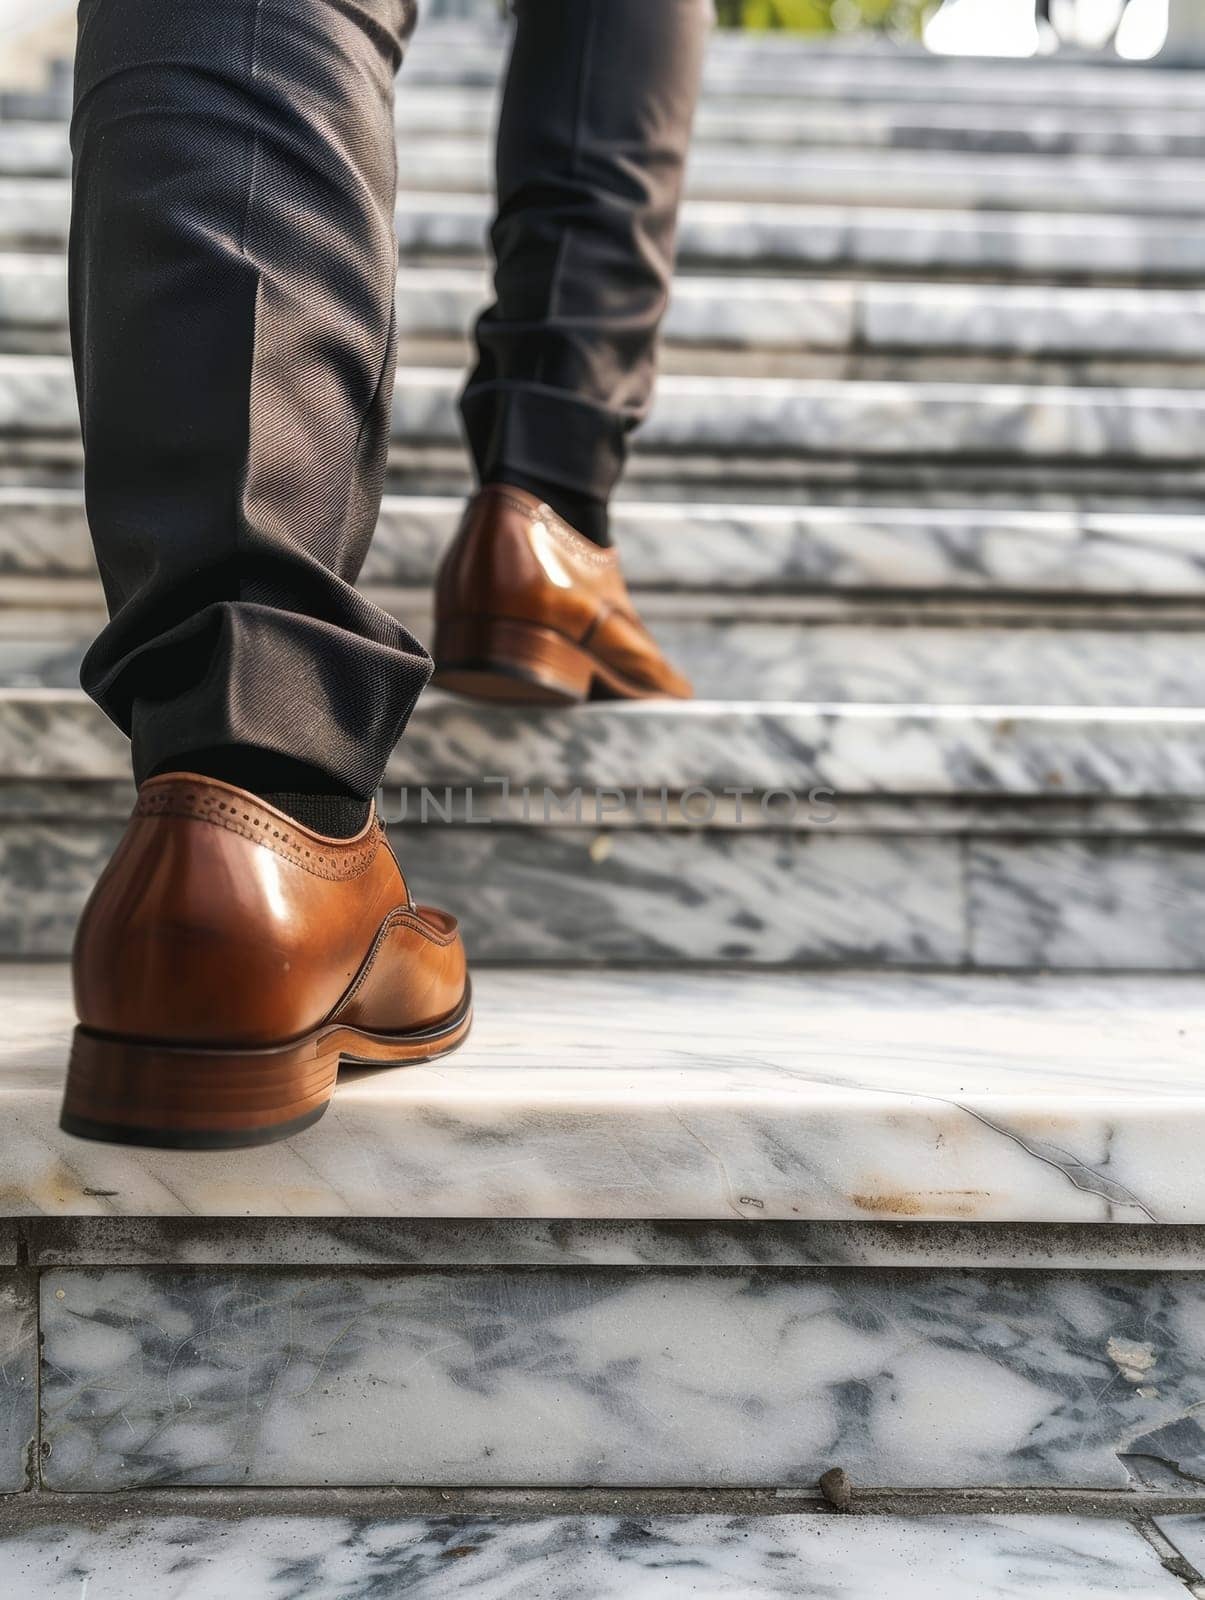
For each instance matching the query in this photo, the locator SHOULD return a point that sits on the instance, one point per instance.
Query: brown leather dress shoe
(529, 611)
(229, 958)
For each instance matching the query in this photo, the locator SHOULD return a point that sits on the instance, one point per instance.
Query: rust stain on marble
(903, 1203)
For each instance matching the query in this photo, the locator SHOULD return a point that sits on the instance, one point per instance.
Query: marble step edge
(58, 610)
(620, 1549)
(37, 143)
(796, 71)
(786, 236)
(820, 650)
(950, 180)
(794, 314)
(765, 417)
(807, 73)
(98, 1238)
(742, 548)
(428, 109)
(757, 747)
(824, 1097)
(441, 42)
(33, 807)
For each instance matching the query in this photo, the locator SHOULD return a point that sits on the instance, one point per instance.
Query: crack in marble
(1115, 1193)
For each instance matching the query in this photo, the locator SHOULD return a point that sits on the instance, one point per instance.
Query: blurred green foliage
(900, 17)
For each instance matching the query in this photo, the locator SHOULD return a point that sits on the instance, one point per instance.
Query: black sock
(307, 794)
(580, 511)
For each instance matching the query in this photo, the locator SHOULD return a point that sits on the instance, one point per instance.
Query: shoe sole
(128, 1091)
(521, 663)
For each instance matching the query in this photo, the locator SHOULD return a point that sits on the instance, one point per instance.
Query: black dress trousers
(232, 265)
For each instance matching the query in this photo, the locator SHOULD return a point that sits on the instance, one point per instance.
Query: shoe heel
(494, 658)
(130, 1092)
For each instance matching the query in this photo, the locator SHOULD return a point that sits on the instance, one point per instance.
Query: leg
(232, 279)
(592, 142)
(591, 150)
(232, 287)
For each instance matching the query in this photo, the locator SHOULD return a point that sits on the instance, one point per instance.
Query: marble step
(1014, 752)
(776, 236)
(778, 417)
(982, 837)
(767, 649)
(786, 123)
(751, 68)
(801, 69)
(630, 1556)
(804, 124)
(729, 549)
(720, 1231)
(786, 314)
(797, 878)
(624, 1096)
(950, 180)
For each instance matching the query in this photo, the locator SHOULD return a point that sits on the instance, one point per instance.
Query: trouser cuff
(244, 674)
(547, 434)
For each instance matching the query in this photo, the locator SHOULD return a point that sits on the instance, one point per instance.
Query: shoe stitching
(402, 918)
(261, 827)
(582, 547)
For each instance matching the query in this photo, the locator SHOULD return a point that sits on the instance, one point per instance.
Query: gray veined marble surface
(1043, 128)
(803, 68)
(810, 416)
(923, 887)
(951, 178)
(589, 1377)
(1089, 903)
(786, 656)
(1024, 244)
(1004, 750)
(587, 1558)
(1187, 1535)
(784, 1096)
(349, 1241)
(18, 1379)
(730, 548)
(788, 416)
(803, 123)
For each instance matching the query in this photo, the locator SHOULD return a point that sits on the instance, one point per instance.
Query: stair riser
(894, 125)
(903, 752)
(881, 662)
(777, 237)
(862, 323)
(784, 418)
(950, 180)
(799, 361)
(156, 1377)
(718, 548)
(751, 68)
(593, 1377)
(795, 71)
(687, 895)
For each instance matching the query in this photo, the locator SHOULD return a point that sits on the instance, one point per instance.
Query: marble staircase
(918, 510)
(590, 1308)
(834, 1096)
